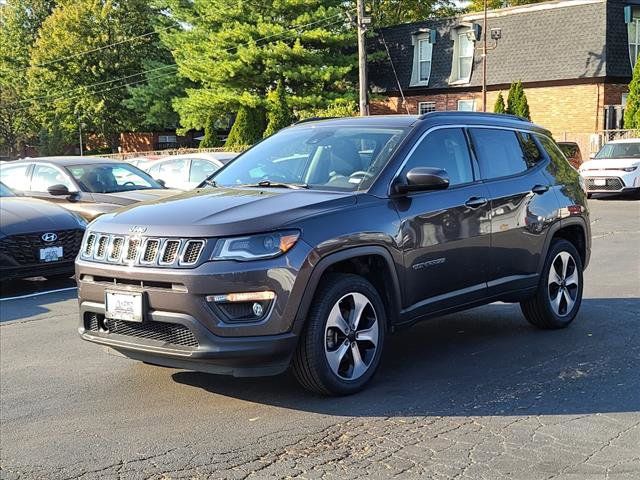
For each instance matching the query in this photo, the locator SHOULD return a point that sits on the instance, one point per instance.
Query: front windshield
(111, 178)
(326, 157)
(619, 150)
(6, 191)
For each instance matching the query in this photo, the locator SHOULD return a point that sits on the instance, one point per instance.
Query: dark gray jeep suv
(312, 246)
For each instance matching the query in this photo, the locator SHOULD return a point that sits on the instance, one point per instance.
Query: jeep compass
(308, 249)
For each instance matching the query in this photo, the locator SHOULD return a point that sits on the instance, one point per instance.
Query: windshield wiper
(270, 184)
(211, 183)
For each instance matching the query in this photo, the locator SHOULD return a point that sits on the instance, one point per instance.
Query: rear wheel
(559, 295)
(341, 346)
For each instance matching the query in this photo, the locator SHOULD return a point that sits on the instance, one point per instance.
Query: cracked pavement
(474, 395)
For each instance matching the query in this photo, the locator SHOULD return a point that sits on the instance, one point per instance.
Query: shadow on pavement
(486, 361)
(31, 303)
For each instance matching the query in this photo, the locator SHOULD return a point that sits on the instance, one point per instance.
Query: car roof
(373, 120)
(626, 140)
(200, 155)
(66, 161)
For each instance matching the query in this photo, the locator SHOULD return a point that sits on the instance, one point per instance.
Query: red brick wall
(563, 108)
(137, 142)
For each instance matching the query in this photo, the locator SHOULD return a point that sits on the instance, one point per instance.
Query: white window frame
(456, 34)
(634, 44)
(421, 43)
(428, 107)
(467, 100)
(167, 138)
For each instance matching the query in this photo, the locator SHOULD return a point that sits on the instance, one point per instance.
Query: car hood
(134, 196)
(610, 164)
(20, 215)
(221, 212)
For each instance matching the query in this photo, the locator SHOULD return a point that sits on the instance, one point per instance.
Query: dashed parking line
(37, 294)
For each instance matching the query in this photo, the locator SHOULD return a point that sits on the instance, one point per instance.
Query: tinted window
(5, 191)
(15, 177)
(500, 152)
(201, 169)
(530, 149)
(553, 150)
(111, 178)
(447, 149)
(45, 176)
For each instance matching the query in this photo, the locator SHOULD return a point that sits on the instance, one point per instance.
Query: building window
(466, 105)
(167, 139)
(633, 29)
(426, 107)
(422, 50)
(464, 39)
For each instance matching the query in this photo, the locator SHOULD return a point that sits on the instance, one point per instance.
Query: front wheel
(559, 295)
(341, 346)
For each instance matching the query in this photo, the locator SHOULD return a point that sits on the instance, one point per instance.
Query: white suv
(615, 168)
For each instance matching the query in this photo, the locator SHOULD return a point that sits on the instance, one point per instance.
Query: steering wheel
(361, 173)
(129, 184)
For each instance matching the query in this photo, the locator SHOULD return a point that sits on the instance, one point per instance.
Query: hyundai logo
(138, 229)
(49, 237)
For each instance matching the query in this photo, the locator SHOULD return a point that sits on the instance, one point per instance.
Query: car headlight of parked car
(255, 247)
(630, 169)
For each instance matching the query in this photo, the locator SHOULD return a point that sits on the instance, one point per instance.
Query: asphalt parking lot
(479, 394)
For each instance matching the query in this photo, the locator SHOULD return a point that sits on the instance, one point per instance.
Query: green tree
(236, 52)
(279, 115)
(211, 139)
(632, 110)
(247, 128)
(20, 21)
(512, 99)
(499, 106)
(523, 104)
(70, 86)
(477, 5)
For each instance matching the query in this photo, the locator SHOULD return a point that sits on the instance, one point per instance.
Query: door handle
(540, 189)
(476, 202)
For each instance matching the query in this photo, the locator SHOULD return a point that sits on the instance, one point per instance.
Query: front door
(445, 235)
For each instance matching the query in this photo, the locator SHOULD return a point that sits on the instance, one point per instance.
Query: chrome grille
(88, 248)
(132, 249)
(192, 252)
(144, 251)
(150, 251)
(101, 250)
(170, 252)
(116, 249)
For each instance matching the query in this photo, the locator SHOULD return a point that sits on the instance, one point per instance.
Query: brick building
(574, 58)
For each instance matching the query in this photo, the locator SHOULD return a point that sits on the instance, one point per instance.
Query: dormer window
(422, 52)
(632, 17)
(464, 38)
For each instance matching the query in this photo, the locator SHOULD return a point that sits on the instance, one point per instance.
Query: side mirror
(423, 178)
(161, 182)
(59, 190)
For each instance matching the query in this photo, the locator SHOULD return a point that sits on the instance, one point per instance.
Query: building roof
(549, 41)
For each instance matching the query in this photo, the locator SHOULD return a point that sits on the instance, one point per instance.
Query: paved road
(473, 395)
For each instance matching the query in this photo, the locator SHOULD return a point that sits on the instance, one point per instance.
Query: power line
(63, 95)
(97, 49)
(60, 95)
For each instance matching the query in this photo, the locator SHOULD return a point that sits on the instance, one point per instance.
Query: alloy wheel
(563, 283)
(351, 336)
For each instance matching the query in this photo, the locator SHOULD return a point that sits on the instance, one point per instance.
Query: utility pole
(362, 58)
(484, 59)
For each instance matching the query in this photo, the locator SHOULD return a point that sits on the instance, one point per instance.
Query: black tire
(538, 310)
(310, 364)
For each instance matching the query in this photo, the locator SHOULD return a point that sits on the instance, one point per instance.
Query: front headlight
(630, 169)
(255, 247)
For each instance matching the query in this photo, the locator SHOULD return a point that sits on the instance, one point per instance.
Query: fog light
(243, 306)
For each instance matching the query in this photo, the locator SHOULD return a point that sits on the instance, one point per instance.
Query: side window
(499, 152)
(15, 177)
(530, 149)
(174, 169)
(201, 169)
(552, 149)
(45, 176)
(447, 149)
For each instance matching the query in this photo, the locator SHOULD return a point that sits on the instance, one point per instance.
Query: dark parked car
(311, 247)
(89, 186)
(37, 238)
(572, 151)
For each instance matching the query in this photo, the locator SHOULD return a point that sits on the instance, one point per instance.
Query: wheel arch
(573, 230)
(374, 263)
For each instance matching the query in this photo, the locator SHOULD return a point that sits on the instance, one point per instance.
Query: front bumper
(182, 329)
(614, 181)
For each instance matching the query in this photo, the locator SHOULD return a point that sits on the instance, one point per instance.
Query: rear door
(445, 235)
(522, 204)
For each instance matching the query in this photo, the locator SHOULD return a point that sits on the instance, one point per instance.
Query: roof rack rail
(312, 119)
(475, 114)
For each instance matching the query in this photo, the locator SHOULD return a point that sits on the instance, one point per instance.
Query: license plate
(600, 182)
(50, 254)
(123, 306)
